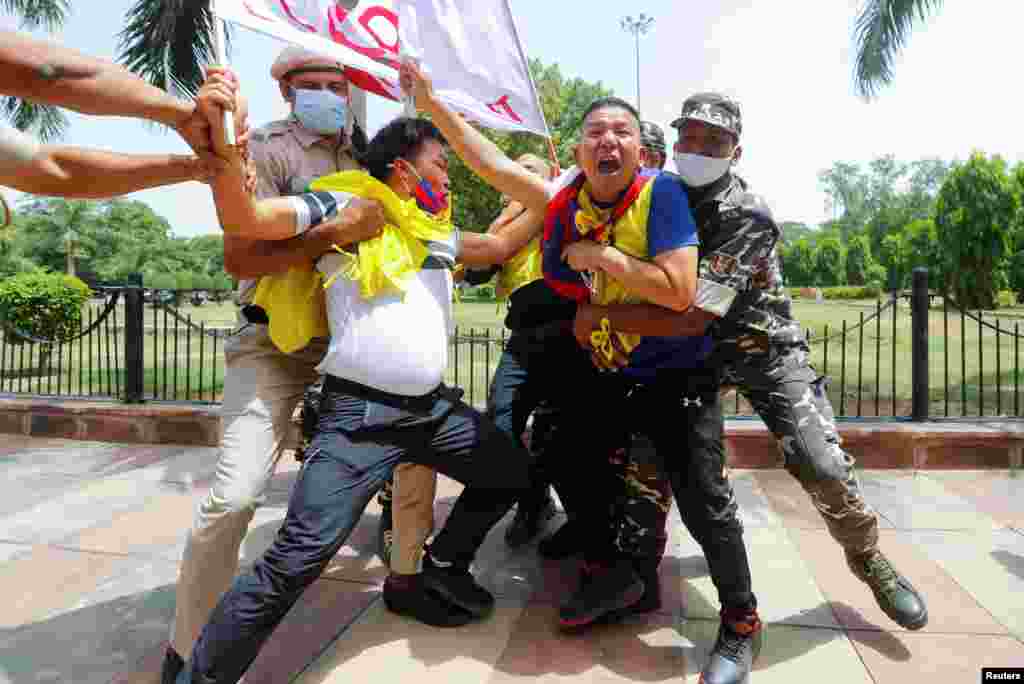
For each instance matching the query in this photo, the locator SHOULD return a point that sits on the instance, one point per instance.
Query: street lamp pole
(639, 25)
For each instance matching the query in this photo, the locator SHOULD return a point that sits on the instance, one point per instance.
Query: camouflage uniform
(763, 352)
(642, 512)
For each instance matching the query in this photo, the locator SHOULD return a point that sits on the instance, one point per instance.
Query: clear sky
(786, 61)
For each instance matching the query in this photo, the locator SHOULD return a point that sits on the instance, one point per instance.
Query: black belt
(341, 386)
(546, 331)
(255, 314)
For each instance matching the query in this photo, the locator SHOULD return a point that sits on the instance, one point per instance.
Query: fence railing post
(919, 301)
(134, 336)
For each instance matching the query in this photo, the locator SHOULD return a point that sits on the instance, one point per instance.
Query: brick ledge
(896, 444)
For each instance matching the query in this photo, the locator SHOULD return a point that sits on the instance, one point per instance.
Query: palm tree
(882, 31)
(49, 122)
(167, 42)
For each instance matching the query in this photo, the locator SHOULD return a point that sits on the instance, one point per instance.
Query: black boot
(409, 595)
(172, 666)
(566, 541)
(739, 643)
(895, 595)
(604, 590)
(455, 583)
(531, 516)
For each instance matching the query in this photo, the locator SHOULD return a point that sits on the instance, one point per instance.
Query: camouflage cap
(651, 136)
(712, 108)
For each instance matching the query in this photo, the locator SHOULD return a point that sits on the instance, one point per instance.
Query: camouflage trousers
(790, 397)
(640, 514)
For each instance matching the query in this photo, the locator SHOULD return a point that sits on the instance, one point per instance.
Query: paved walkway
(90, 535)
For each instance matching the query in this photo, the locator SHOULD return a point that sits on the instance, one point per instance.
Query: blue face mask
(320, 111)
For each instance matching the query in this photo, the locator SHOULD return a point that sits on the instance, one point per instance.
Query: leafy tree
(43, 226)
(159, 280)
(975, 215)
(202, 281)
(859, 260)
(923, 250)
(794, 230)
(798, 263)
(848, 188)
(829, 270)
(893, 257)
(183, 280)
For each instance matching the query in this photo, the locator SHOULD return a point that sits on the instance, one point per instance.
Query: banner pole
(219, 41)
(554, 156)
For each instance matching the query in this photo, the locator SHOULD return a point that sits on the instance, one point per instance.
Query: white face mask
(321, 111)
(698, 171)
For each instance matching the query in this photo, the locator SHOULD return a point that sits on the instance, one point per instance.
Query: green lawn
(877, 362)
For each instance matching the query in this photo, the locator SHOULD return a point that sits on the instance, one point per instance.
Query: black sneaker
(736, 649)
(605, 590)
(423, 604)
(172, 666)
(895, 595)
(529, 520)
(456, 584)
(385, 534)
(566, 541)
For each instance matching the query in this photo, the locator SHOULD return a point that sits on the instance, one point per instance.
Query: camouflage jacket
(740, 279)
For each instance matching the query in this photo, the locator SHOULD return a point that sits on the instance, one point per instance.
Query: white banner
(470, 48)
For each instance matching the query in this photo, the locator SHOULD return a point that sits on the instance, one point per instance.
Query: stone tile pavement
(90, 535)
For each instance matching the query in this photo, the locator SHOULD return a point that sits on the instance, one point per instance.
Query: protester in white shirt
(383, 403)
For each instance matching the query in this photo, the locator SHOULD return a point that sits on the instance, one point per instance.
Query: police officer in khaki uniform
(263, 385)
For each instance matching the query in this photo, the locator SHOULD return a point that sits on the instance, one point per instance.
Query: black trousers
(681, 414)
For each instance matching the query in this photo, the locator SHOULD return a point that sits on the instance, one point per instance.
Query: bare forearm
(486, 159)
(254, 259)
(656, 321)
(649, 281)
(50, 74)
(476, 249)
(244, 216)
(94, 174)
(498, 247)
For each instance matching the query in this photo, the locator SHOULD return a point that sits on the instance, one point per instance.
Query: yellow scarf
(295, 302)
(385, 263)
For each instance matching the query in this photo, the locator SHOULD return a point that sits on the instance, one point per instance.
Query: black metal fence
(133, 344)
(913, 355)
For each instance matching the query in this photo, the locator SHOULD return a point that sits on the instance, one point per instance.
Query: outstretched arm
(81, 173)
(497, 247)
(480, 154)
(44, 72)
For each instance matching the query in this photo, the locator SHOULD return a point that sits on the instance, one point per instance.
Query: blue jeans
(360, 438)
(552, 369)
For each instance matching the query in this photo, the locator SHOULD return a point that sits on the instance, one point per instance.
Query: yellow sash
(628, 234)
(294, 301)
